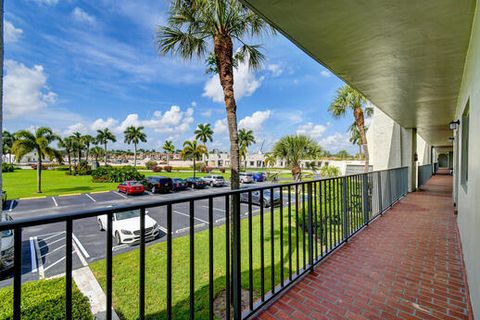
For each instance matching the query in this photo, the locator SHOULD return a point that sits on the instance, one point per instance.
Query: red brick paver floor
(405, 265)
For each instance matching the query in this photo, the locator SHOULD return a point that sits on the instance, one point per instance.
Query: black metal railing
(425, 172)
(267, 248)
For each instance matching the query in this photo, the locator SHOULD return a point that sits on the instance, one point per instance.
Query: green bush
(7, 167)
(61, 168)
(151, 164)
(167, 168)
(82, 169)
(116, 174)
(157, 169)
(45, 299)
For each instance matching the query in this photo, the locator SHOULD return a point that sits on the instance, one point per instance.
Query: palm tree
(97, 152)
(103, 136)
(294, 148)
(192, 150)
(193, 26)
(204, 133)
(69, 145)
(8, 140)
(79, 145)
(88, 140)
(343, 154)
(38, 142)
(245, 140)
(169, 148)
(349, 98)
(134, 135)
(270, 160)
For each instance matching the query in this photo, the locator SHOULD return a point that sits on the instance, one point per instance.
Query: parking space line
(11, 205)
(33, 256)
(55, 201)
(95, 192)
(187, 215)
(54, 250)
(46, 244)
(121, 195)
(80, 246)
(41, 271)
(90, 197)
(188, 228)
(51, 235)
(217, 209)
(56, 262)
(220, 220)
(80, 256)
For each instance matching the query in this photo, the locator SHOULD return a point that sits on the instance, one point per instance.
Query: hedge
(45, 299)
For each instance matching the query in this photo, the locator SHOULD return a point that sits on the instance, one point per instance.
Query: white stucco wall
(469, 198)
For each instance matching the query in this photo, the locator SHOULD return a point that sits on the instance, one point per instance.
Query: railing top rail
(88, 213)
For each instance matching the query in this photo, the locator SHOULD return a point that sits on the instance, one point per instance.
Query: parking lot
(44, 246)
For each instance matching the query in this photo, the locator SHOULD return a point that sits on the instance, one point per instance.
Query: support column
(409, 155)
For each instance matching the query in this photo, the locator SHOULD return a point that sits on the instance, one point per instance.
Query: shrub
(167, 168)
(45, 299)
(151, 164)
(82, 169)
(34, 166)
(222, 169)
(157, 169)
(116, 174)
(61, 168)
(7, 167)
(205, 168)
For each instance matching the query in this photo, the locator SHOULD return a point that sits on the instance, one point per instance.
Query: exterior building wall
(468, 193)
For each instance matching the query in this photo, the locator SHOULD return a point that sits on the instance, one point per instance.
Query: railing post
(365, 205)
(310, 225)
(346, 234)
(380, 196)
(236, 263)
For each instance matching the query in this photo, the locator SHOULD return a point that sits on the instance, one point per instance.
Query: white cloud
(220, 126)
(255, 121)
(79, 126)
(47, 2)
(207, 113)
(81, 16)
(25, 89)
(325, 74)
(130, 120)
(275, 69)
(312, 130)
(100, 124)
(12, 34)
(173, 121)
(336, 142)
(245, 84)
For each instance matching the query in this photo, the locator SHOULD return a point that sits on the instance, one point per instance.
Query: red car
(131, 187)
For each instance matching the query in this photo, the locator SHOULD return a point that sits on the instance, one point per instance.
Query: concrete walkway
(406, 265)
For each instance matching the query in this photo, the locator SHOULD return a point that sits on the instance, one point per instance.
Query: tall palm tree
(68, 144)
(88, 140)
(245, 140)
(7, 140)
(169, 148)
(135, 135)
(294, 148)
(196, 27)
(192, 150)
(39, 142)
(346, 99)
(103, 136)
(97, 152)
(270, 160)
(204, 133)
(79, 145)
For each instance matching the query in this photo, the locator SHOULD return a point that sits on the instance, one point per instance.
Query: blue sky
(83, 65)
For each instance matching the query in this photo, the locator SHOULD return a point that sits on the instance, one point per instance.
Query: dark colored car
(258, 176)
(197, 183)
(179, 184)
(131, 187)
(266, 198)
(158, 184)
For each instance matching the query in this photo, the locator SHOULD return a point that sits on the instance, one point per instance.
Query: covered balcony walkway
(407, 264)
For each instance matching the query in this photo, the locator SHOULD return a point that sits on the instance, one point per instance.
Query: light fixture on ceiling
(454, 125)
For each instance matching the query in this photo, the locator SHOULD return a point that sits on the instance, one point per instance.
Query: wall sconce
(451, 139)
(454, 125)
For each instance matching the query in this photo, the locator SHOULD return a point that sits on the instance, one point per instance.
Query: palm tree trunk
(69, 163)
(360, 122)
(105, 149)
(194, 167)
(168, 159)
(39, 173)
(87, 152)
(296, 171)
(135, 155)
(223, 48)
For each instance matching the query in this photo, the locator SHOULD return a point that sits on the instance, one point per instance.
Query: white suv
(246, 177)
(215, 180)
(6, 245)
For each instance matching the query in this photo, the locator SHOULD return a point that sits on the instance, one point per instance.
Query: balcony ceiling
(406, 56)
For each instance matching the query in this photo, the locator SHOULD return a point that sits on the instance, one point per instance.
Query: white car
(6, 245)
(246, 177)
(126, 226)
(215, 180)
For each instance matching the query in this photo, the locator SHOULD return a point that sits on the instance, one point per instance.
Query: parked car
(246, 177)
(197, 183)
(157, 184)
(131, 187)
(126, 226)
(259, 176)
(215, 180)
(256, 199)
(6, 244)
(179, 184)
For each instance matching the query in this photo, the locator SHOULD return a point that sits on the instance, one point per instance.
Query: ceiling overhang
(406, 56)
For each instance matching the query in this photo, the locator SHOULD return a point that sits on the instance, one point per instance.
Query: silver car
(215, 180)
(246, 177)
(6, 245)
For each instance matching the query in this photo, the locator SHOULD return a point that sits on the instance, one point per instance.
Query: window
(464, 153)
